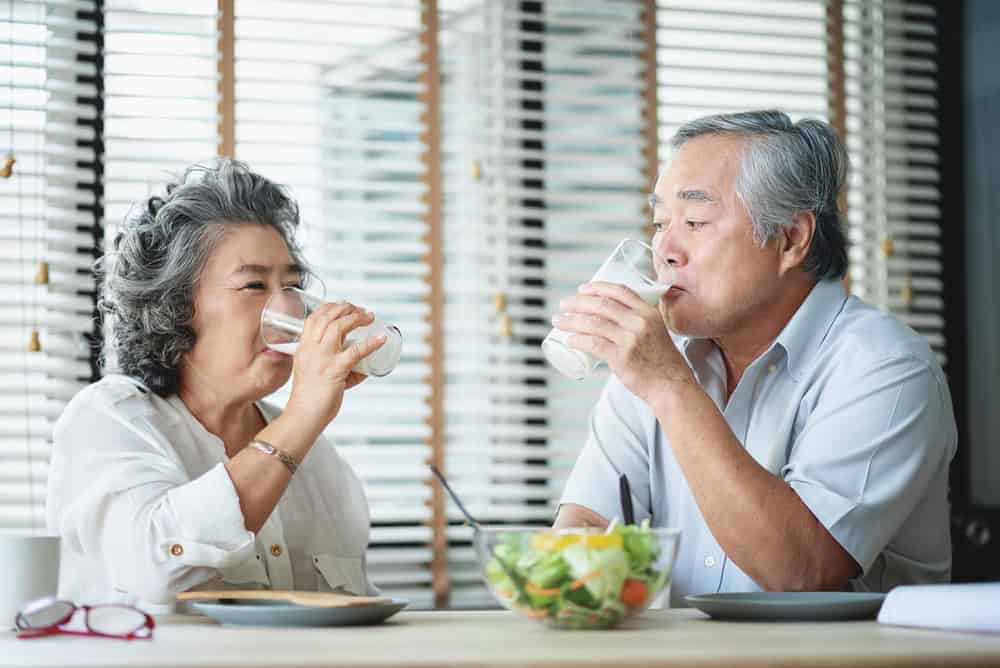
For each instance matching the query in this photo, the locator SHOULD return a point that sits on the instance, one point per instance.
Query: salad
(578, 580)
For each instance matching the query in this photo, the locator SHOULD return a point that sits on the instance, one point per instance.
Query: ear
(794, 241)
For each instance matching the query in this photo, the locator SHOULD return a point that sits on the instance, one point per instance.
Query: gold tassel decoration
(887, 247)
(35, 344)
(500, 304)
(907, 292)
(8, 166)
(477, 170)
(42, 277)
(505, 326)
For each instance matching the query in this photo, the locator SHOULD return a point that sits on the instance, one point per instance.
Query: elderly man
(799, 437)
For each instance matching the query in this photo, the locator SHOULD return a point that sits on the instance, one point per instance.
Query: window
(461, 165)
(890, 62)
(48, 204)
(544, 174)
(328, 101)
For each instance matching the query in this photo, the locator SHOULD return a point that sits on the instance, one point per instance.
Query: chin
(681, 325)
(274, 381)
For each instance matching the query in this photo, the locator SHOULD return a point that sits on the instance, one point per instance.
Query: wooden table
(496, 638)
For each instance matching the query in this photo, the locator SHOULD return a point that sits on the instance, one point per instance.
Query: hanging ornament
(35, 344)
(907, 292)
(500, 302)
(8, 166)
(42, 277)
(887, 247)
(477, 170)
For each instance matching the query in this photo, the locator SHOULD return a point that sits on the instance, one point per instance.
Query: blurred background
(463, 164)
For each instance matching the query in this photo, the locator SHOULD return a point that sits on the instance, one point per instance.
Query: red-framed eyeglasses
(49, 616)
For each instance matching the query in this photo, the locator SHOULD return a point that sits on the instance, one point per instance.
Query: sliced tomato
(634, 593)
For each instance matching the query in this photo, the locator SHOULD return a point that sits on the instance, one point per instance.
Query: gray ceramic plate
(279, 613)
(785, 606)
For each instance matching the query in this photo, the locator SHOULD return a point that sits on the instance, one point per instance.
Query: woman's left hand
(612, 323)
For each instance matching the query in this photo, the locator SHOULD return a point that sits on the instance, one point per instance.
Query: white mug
(29, 569)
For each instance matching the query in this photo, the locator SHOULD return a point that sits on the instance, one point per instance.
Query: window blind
(160, 96)
(721, 56)
(890, 63)
(48, 67)
(328, 103)
(544, 174)
(544, 171)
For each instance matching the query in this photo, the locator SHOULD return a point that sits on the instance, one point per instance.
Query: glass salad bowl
(577, 578)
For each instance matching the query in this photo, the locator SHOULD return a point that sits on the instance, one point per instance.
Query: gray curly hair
(150, 276)
(786, 169)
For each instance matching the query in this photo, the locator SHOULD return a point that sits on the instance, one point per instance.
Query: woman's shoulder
(109, 391)
(115, 396)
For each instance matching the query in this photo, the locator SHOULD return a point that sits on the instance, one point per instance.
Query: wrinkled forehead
(702, 171)
(249, 249)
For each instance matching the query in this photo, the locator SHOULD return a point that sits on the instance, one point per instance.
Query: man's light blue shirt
(848, 406)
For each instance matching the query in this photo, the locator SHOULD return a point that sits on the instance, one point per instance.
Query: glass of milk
(632, 264)
(284, 316)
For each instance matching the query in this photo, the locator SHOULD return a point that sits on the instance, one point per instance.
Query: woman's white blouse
(139, 494)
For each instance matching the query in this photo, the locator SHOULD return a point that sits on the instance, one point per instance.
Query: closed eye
(254, 285)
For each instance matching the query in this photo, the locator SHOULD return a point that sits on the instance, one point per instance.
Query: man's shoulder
(864, 335)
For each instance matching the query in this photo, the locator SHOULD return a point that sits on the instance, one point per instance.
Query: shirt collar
(800, 338)
(807, 329)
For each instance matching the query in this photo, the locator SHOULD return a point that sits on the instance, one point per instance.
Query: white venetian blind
(47, 201)
(892, 135)
(160, 96)
(327, 103)
(543, 175)
(722, 56)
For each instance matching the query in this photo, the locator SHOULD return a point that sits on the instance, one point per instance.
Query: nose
(669, 248)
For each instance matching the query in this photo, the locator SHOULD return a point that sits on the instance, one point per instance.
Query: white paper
(960, 607)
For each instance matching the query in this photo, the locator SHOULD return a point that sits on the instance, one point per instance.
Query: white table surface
(498, 638)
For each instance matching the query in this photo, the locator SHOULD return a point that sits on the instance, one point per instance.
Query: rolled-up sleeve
(868, 453)
(615, 445)
(120, 495)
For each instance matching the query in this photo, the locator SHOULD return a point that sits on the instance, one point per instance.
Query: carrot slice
(576, 584)
(536, 614)
(538, 591)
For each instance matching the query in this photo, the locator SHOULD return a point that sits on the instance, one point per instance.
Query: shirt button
(772, 368)
(709, 561)
(275, 550)
(176, 549)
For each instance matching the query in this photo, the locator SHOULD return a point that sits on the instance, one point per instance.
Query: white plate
(280, 613)
(786, 606)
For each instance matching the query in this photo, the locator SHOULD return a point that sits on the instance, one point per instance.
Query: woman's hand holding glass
(323, 366)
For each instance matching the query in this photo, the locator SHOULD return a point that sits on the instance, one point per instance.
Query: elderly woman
(174, 475)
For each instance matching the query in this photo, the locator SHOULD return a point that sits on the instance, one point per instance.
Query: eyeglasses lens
(45, 614)
(115, 619)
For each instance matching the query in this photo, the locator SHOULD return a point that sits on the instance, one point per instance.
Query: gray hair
(786, 169)
(160, 251)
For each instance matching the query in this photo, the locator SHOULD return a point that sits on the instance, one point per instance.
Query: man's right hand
(573, 516)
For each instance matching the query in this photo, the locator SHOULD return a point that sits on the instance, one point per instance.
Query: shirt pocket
(343, 574)
(248, 572)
